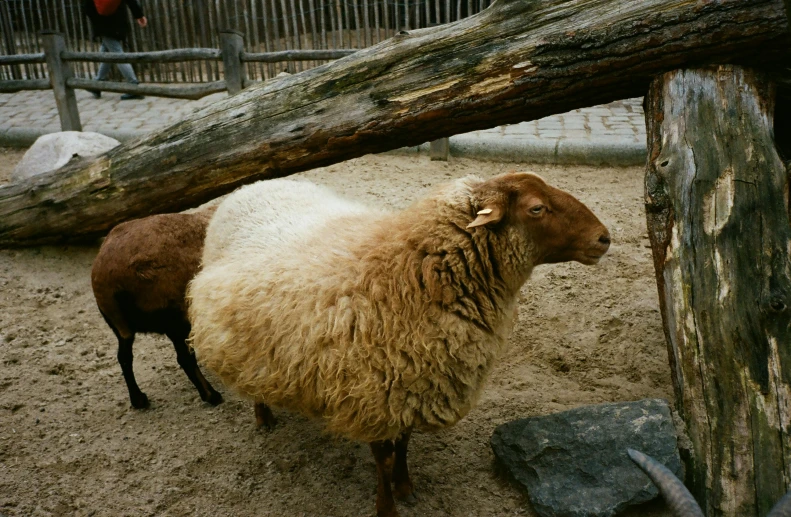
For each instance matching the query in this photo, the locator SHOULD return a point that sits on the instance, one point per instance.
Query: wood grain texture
(719, 228)
(518, 60)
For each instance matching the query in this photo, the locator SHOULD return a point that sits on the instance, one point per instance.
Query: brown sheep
(139, 280)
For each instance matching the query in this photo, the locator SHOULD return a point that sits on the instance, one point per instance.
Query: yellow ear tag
(485, 211)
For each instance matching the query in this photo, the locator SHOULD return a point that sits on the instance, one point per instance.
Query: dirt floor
(70, 444)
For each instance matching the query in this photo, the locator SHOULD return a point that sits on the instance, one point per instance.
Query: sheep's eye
(536, 210)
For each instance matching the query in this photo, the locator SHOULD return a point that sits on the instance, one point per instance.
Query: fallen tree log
(517, 60)
(718, 224)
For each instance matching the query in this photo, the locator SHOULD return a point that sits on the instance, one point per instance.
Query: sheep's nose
(605, 239)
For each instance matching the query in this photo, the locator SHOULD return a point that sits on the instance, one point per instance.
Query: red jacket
(116, 25)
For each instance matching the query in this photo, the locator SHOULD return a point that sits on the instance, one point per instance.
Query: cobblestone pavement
(618, 124)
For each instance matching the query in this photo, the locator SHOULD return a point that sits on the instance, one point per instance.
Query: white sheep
(378, 323)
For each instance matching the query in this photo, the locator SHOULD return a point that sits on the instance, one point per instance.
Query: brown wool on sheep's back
(139, 280)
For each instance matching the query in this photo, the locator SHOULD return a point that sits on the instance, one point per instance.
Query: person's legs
(102, 74)
(114, 45)
(104, 68)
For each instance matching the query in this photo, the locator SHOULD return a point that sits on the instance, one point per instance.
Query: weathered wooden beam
(23, 59)
(156, 56)
(296, 55)
(720, 234)
(24, 84)
(183, 91)
(517, 60)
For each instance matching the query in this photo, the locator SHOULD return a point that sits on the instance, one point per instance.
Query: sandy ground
(70, 444)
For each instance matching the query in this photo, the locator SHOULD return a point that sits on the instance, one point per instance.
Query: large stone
(574, 463)
(55, 150)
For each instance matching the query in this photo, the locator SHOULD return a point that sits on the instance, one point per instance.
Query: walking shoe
(97, 94)
(131, 96)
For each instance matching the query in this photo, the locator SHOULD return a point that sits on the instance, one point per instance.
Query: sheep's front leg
(404, 490)
(384, 456)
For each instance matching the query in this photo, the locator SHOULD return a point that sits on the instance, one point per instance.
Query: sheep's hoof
(268, 424)
(214, 398)
(409, 499)
(140, 401)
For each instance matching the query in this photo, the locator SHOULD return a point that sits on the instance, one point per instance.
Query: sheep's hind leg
(404, 490)
(264, 416)
(384, 455)
(188, 363)
(138, 398)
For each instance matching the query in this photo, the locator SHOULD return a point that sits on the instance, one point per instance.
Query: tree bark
(718, 224)
(517, 60)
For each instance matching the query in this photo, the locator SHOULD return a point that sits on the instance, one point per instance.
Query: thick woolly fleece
(376, 322)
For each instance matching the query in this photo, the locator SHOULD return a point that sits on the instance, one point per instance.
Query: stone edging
(559, 152)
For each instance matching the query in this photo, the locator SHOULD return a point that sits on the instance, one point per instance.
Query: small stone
(55, 150)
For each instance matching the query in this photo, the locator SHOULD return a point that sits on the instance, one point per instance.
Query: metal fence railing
(267, 26)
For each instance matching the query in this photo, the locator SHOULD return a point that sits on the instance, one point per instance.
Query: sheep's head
(560, 227)
(676, 495)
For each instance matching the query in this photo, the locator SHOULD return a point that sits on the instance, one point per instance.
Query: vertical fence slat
(386, 13)
(199, 17)
(295, 24)
(9, 38)
(323, 22)
(305, 32)
(358, 30)
(177, 35)
(28, 43)
(214, 26)
(337, 25)
(180, 9)
(349, 22)
(268, 41)
(367, 23)
(252, 42)
(192, 33)
(168, 37)
(84, 42)
(286, 27)
(377, 25)
(315, 42)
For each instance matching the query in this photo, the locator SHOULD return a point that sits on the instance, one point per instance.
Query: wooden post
(59, 72)
(232, 46)
(718, 224)
(439, 149)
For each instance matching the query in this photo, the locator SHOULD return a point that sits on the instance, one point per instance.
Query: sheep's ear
(488, 215)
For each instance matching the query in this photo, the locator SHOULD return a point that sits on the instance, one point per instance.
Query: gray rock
(574, 463)
(54, 150)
